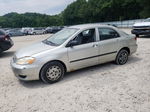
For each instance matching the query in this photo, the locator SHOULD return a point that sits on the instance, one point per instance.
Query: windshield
(60, 37)
(147, 20)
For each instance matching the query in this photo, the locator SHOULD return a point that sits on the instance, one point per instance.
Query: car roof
(84, 26)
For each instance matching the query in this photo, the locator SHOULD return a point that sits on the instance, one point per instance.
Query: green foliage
(146, 8)
(29, 20)
(82, 11)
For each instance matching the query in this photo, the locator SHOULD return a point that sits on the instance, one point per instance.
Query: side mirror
(72, 43)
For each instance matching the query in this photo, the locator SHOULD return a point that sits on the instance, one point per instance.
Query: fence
(124, 24)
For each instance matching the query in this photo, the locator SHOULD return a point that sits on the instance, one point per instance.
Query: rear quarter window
(107, 33)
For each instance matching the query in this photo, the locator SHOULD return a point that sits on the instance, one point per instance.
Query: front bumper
(141, 31)
(25, 72)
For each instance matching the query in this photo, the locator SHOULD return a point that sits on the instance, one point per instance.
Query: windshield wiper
(49, 42)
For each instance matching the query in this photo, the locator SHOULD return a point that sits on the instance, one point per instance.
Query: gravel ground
(102, 88)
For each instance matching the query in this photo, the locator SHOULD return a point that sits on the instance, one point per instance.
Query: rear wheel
(52, 72)
(1, 50)
(122, 57)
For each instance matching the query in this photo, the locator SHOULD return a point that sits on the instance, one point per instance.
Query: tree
(82, 11)
(16, 20)
(146, 8)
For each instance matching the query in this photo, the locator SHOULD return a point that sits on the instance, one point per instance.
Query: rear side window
(2, 33)
(107, 33)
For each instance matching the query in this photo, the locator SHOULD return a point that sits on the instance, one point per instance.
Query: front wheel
(122, 57)
(52, 72)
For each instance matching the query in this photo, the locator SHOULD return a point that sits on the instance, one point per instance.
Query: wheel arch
(125, 48)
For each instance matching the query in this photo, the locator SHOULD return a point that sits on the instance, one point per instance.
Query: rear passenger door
(108, 44)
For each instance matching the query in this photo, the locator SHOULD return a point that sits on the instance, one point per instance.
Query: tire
(52, 72)
(122, 57)
(1, 50)
(137, 35)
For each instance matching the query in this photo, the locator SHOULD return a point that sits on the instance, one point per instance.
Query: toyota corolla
(71, 49)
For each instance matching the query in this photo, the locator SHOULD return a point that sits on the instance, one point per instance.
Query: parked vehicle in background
(48, 30)
(26, 31)
(14, 32)
(5, 29)
(36, 31)
(53, 29)
(142, 28)
(5, 41)
(113, 25)
(71, 49)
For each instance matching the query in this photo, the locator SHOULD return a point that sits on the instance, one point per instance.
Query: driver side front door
(85, 53)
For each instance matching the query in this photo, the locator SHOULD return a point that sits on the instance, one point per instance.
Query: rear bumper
(5, 45)
(133, 49)
(141, 31)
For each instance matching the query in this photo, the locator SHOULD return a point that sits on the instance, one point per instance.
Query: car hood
(142, 24)
(33, 49)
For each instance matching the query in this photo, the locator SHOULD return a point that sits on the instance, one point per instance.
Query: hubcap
(123, 57)
(53, 73)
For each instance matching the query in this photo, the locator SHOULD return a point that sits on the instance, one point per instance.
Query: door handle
(95, 45)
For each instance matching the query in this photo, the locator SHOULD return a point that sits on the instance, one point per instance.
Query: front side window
(107, 33)
(86, 36)
(60, 37)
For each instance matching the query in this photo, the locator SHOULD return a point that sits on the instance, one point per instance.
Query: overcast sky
(50, 7)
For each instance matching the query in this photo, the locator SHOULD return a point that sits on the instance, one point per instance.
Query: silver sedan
(71, 49)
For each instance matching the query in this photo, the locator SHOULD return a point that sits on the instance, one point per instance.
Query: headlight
(25, 60)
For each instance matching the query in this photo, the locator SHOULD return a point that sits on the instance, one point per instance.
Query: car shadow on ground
(7, 54)
(99, 68)
(33, 84)
(85, 72)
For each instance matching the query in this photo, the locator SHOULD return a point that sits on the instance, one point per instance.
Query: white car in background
(142, 28)
(26, 30)
(36, 31)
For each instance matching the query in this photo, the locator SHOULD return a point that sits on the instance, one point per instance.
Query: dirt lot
(102, 88)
